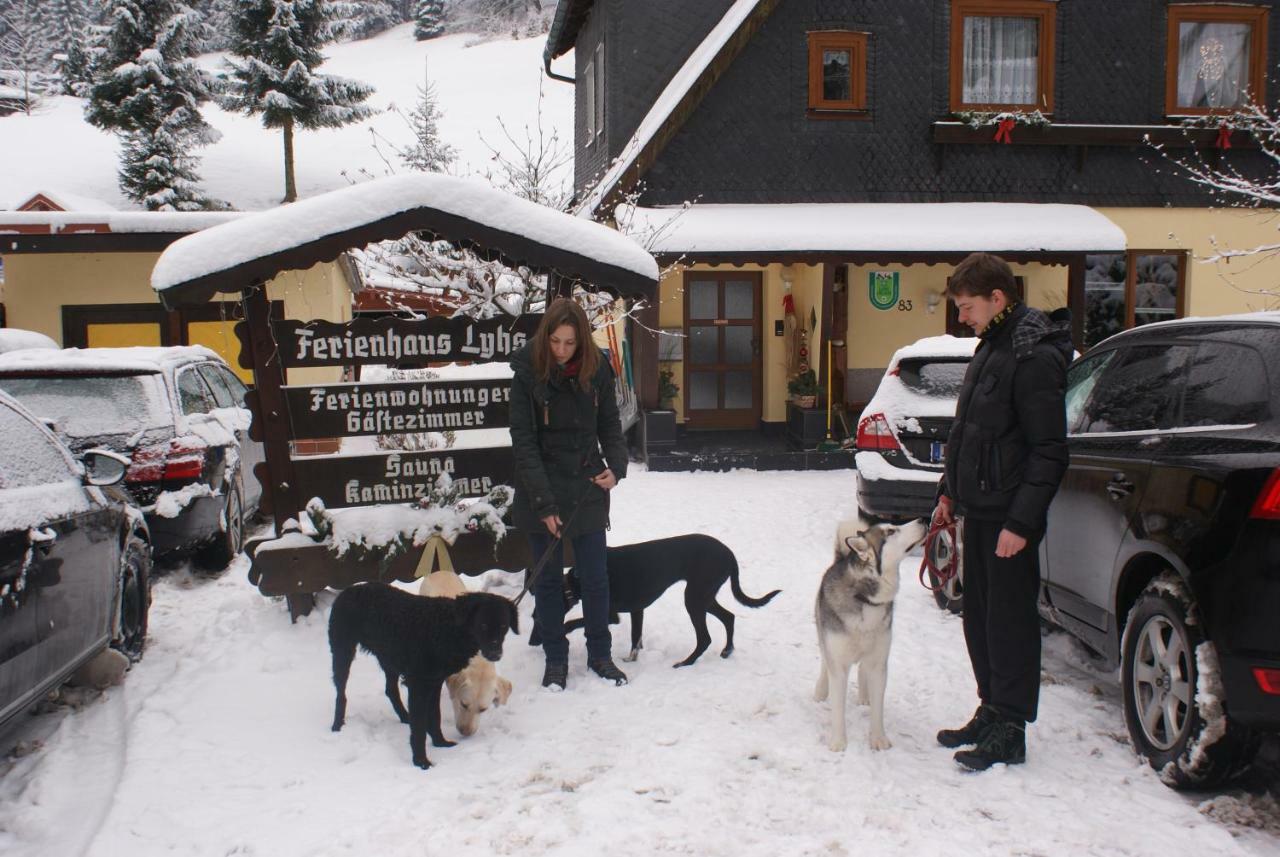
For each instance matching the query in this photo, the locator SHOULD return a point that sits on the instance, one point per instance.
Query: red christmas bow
(1004, 131)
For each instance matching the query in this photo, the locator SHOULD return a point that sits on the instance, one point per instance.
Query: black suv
(1163, 547)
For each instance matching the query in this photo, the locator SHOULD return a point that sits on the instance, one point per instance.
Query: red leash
(941, 560)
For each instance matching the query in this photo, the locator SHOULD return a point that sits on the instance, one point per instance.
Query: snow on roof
(277, 230)
(877, 226)
(677, 88)
(13, 339)
(67, 201)
(87, 360)
(117, 221)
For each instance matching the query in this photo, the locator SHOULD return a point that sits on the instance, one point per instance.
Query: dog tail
(744, 598)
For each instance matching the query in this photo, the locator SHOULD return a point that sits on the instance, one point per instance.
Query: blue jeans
(548, 595)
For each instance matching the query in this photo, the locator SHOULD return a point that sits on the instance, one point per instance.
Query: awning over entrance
(465, 212)
(912, 231)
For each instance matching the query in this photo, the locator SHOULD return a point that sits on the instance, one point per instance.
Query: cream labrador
(478, 687)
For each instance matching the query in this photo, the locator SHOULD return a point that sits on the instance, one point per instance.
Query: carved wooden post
(271, 421)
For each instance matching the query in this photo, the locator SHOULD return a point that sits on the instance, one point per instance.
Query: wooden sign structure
(243, 255)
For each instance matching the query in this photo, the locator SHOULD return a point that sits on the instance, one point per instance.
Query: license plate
(937, 452)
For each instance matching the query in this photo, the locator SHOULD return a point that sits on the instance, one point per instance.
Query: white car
(902, 434)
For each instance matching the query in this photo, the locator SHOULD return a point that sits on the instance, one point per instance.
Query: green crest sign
(883, 289)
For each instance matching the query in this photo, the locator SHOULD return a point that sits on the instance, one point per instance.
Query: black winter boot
(556, 675)
(1005, 741)
(971, 732)
(607, 669)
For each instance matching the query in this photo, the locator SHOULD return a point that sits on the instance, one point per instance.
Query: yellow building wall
(1213, 288)
(38, 286)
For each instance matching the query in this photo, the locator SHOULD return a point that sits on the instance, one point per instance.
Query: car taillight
(1267, 679)
(167, 462)
(1268, 503)
(874, 433)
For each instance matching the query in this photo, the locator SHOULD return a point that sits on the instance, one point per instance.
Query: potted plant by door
(668, 389)
(804, 389)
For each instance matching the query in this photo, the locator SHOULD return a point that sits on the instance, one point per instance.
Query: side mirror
(104, 467)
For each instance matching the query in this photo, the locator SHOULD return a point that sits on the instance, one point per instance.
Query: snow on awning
(466, 212)
(941, 227)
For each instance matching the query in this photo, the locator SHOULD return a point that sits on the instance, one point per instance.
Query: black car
(74, 560)
(1163, 546)
(178, 413)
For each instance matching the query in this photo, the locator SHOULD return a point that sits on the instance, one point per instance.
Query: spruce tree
(277, 44)
(23, 50)
(148, 90)
(428, 153)
(66, 28)
(360, 19)
(428, 19)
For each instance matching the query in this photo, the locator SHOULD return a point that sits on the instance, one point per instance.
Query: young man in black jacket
(1006, 455)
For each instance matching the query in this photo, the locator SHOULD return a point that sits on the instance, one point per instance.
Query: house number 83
(904, 306)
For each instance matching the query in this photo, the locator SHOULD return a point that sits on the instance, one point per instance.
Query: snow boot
(556, 675)
(971, 732)
(1004, 742)
(607, 669)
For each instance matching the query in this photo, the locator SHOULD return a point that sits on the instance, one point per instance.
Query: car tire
(230, 541)
(133, 598)
(1173, 710)
(948, 596)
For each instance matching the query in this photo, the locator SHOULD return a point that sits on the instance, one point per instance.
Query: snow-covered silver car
(177, 412)
(902, 433)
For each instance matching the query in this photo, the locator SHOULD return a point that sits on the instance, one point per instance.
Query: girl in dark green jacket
(569, 454)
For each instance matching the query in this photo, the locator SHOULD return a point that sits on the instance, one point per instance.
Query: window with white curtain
(1002, 54)
(1216, 59)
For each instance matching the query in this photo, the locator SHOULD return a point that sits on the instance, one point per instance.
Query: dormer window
(593, 95)
(837, 71)
(1002, 55)
(1216, 58)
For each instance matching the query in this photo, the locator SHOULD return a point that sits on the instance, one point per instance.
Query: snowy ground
(474, 83)
(218, 743)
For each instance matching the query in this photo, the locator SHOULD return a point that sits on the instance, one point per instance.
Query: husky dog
(854, 615)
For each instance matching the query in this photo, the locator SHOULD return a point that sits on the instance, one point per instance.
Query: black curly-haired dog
(640, 573)
(425, 640)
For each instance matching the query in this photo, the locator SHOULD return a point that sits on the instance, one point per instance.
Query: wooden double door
(722, 354)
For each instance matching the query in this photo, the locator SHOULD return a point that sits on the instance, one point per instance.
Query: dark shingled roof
(564, 27)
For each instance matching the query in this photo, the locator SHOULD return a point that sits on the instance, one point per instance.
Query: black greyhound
(640, 573)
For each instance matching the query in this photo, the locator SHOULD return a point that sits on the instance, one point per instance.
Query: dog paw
(838, 745)
(819, 694)
(862, 700)
(880, 742)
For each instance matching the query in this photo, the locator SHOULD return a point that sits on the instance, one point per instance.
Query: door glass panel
(737, 390)
(1104, 280)
(739, 299)
(1140, 391)
(1081, 379)
(737, 345)
(1155, 292)
(704, 299)
(704, 392)
(219, 337)
(704, 344)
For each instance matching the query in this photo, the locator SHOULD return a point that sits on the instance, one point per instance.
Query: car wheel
(230, 541)
(943, 550)
(134, 598)
(1173, 702)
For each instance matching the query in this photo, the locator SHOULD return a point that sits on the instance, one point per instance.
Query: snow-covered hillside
(218, 742)
(56, 150)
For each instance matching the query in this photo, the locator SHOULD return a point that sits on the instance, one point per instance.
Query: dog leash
(941, 537)
(546, 555)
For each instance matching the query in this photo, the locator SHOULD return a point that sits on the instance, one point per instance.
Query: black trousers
(1001, 623)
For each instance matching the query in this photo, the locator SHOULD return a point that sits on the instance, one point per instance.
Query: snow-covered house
(79, 271)
(851, 153)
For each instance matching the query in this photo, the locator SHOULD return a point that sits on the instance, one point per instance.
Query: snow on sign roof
(465, 211)
(116, 221)
(676, 90)
(140, 359)
(875, 226)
